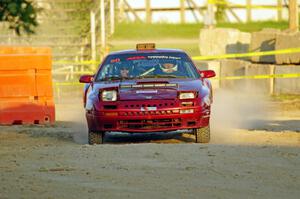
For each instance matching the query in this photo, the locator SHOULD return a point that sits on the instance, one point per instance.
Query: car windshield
(147, 65)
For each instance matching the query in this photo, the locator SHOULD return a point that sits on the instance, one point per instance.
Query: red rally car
(147, 90)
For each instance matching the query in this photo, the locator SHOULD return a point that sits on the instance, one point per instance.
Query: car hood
(147, 89)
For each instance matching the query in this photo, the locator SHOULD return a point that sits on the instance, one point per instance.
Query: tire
(202, 135)
(96, 137)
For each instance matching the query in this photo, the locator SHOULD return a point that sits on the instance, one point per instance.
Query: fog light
(111, 114)
(186, 111)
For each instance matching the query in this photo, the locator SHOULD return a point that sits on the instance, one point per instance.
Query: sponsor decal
(136, 58)
(146, 91)
(115, 60)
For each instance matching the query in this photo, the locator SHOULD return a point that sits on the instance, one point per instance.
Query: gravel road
(258, 159)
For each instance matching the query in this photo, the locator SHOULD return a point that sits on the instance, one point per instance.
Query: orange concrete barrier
(26, 95)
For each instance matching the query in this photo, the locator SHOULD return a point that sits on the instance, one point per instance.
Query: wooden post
(102, 18)
(148, 11)
(210, 14)
(93, 34)
(279, 10)
(182, 11)
(82, 48)
(112, 16)
(248, 6)
(293, 16)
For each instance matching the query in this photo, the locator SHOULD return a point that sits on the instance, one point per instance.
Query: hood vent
(149, 85)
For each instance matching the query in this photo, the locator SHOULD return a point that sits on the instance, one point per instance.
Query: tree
(20, 14)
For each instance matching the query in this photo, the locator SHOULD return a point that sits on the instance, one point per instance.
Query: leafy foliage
(20, 14)
(220, 14)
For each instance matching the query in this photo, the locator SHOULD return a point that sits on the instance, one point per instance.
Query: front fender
(207, 83)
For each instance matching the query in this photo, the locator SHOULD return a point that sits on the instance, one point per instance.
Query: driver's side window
(107, 71)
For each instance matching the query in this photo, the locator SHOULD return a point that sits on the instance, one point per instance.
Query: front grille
(149, 124)
(157, 112)
(143, 104)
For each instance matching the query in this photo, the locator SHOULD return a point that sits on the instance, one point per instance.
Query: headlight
(186, 95)
(109, 95)
(206, 101)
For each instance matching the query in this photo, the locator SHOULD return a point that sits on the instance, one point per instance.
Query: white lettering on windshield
(163, 57)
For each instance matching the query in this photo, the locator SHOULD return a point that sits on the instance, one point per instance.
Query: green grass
(189, 47)
(134, 31)
(180, 36)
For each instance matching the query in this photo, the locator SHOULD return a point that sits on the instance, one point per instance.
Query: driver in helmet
(169, 67)
(125, 70)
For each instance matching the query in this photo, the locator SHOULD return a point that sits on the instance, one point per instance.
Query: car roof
(160, 50)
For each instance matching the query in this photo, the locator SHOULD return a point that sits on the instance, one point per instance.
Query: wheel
(202, 135)
(96, 137)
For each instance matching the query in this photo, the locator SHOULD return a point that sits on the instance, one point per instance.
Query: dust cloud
(238, 110)
(72, 116)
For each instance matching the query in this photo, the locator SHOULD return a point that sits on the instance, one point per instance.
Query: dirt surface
(250, 156)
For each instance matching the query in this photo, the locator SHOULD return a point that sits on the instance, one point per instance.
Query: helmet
(168, 66)
(123, 65)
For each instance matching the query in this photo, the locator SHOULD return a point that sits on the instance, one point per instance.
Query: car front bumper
(135, 120)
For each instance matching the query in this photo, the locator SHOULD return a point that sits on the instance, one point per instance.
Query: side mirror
(86, 78)
(207, 73)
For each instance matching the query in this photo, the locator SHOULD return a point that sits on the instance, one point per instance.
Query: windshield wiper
(114, 78)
